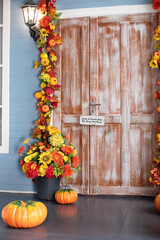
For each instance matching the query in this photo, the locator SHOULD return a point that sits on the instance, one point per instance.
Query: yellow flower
(65, 158)
(43, 85)
(158, 45)
(45, 76)
(42, 127)
(29, 152)
(42, 170)
(48, 120)
(157, 30)
(156, 37)
(75, 152)
(40, 41)
(156, 56)
(150, 179)
(36, 65)
(152, 171)
(44, 32)
(48, 67)
(23, 168)
(44, 99)
(52, 26)
(56, 140)
(30, 157)
(47, 114)
(153, 64)
(53, 81)
(45, 158)
(53, 57)
(26, 141)
(43, 55)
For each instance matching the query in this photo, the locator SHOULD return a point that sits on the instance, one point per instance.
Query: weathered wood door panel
(73, 70)
(105, 60)
(122, 83)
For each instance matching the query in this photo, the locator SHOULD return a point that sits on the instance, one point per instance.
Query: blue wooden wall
(24, 82)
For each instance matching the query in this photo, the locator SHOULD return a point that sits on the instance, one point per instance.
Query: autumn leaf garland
(47, 99)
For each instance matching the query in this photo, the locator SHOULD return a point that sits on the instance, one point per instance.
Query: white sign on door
(92, 120)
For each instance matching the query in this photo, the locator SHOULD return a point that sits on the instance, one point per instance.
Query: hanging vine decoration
(50, 156)
(155, 64)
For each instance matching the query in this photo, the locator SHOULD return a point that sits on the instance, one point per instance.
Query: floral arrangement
(50, 155)
(155, 64)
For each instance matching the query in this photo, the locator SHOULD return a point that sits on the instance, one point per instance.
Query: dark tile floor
(90, 218)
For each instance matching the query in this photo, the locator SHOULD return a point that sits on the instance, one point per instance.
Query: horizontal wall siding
(24, 82)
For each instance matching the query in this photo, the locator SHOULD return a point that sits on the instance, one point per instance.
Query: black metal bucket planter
(46, 187)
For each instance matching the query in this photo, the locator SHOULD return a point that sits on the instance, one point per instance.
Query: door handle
(92, 105)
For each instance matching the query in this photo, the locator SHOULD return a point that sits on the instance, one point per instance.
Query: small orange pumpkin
(66, 196)
(28, 214)
(157, 202)
(38, 95)
(45, 108)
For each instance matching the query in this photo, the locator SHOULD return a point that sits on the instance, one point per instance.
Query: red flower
(156, 4)
(75, 161)
(48, 145)
(21, 150)
(28, 165)
(49, 90)
(40, 49)
(22, 162)
(67, 171)
(52, 73)
(158, 127)
(157, 95)
(57, 157)
(53, 52)
(54, 104)
(67, 150)
(45, 21)
(32, 173)
(42, 121)
(49, 172)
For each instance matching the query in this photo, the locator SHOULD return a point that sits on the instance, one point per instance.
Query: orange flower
(75, 161)
(34, 166)
(57, 157)
(67, 150)
(67, 171)
(45, 21)
(48, 48)
(21, 150)
(45, 62)
(45, 108)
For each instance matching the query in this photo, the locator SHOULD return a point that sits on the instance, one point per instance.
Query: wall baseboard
(19, 192)
(106, 11)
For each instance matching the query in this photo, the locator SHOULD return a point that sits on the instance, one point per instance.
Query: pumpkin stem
(23, 203)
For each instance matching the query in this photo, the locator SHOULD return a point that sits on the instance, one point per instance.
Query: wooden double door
(105, 60)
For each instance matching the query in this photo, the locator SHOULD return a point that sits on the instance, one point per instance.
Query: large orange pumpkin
(28, 214)
(157, 202)
(66, 196)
